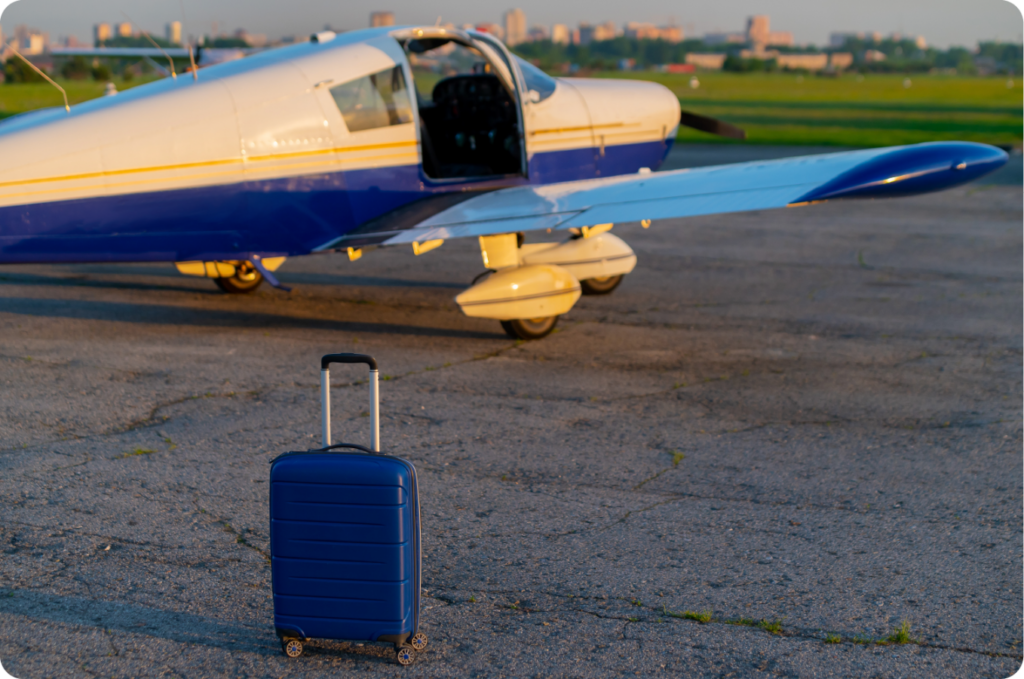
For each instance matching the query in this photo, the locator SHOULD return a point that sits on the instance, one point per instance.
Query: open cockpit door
(469, 107)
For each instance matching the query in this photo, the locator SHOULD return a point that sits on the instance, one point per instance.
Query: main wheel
(292, 647)
(404, 655)
(419, 641)
(530, 328)
(601, 286)
(246, 279)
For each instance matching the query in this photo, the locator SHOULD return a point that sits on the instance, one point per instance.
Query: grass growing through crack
(833, 639)
(135, 453)
(900, 635)
(771, 626)
(701, 617)
(677, 457)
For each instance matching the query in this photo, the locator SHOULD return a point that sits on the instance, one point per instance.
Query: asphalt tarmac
(802, 427)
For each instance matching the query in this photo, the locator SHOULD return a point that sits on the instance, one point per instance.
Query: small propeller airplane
(399, 136)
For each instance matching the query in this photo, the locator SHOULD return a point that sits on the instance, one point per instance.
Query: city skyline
(942, 22)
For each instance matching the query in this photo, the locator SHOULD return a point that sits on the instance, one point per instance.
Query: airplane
(400, 136)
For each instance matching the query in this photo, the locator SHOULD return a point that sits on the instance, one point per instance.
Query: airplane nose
(913, 169)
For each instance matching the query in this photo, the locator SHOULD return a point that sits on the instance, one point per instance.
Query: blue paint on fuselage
(289, 216)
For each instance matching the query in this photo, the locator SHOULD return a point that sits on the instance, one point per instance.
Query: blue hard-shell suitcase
(345, 539)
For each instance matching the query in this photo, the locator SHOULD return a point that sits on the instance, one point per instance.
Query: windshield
(537, 80)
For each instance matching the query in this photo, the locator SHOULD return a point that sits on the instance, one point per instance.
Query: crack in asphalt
(812, 634)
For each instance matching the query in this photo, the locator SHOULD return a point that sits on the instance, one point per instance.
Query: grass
(771, 626)
(701, 616)
(21, 97)
(137, 452)
(900, 635)
(851, 110)
(833, 639)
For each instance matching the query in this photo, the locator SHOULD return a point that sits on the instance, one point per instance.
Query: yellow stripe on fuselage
(213, 163)
(205, 175)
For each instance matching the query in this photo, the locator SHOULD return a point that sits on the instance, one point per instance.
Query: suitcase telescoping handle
(325, 395)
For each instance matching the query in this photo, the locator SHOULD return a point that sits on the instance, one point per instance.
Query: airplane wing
(871, 173)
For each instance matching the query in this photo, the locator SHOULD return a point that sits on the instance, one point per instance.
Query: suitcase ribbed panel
(343, 544)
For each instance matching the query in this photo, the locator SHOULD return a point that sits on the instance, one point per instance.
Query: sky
(941, 22)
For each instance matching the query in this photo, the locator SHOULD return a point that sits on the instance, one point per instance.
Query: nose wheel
(600, 286)
(530, 328)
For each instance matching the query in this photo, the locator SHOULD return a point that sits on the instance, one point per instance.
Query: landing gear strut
(245, 280)
(530, 328)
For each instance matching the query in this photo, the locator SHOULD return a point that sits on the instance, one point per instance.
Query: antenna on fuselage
(40, 72)
(153, 42)
(191, 57)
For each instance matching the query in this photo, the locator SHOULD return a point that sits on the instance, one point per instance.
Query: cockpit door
(469, 105)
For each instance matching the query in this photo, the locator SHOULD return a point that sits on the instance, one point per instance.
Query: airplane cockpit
(469, 116)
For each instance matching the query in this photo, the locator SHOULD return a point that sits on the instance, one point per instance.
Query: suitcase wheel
(291, 647)
(405, 656)
(419, 641)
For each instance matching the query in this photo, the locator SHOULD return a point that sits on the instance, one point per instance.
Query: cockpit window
(377, 100)
(537, 80)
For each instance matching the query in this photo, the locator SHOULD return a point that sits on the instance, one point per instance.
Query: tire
(530, 328)
(292, 647)
(601, 286)
(245, 280)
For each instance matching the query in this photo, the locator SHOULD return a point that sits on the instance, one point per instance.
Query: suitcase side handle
(325, 395)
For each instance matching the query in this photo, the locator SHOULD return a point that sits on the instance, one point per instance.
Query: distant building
(515, 26)
(609, 30)
(537, 33)
(840, 60)
(641, 31)
(584, 34)
(839, 39)
(172, 32)
(758, 29)
(725, 38)
(382, 19)
(708, 62)
(560, 34)
(920, 42)
(871, 56)
(802, 62)
(494, 29)
(124, 30)
(30, 40)
(101, 33)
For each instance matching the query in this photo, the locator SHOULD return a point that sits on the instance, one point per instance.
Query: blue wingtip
(910, 170)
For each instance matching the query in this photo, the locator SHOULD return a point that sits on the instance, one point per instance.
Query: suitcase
(345, 539)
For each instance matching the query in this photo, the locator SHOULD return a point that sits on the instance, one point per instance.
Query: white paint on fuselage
(263, 118)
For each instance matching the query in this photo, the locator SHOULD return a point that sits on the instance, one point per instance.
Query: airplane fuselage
(257, 156)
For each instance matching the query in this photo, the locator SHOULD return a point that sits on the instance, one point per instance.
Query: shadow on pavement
(172, 625)
(175, 315)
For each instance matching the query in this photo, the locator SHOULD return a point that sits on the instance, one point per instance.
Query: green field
(775, 108)
(869, 110)
(22, 97)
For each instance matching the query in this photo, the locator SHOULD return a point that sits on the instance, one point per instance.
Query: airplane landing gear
(600, 286)
(530, 328)
(245, 280)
